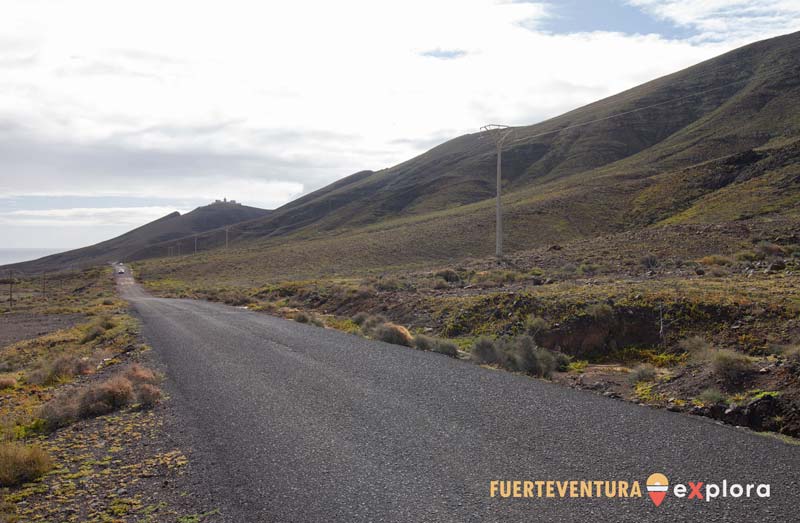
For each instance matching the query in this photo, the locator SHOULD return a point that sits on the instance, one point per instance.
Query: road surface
(291, 422)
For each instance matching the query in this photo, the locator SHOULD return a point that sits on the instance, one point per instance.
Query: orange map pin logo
(657, 485)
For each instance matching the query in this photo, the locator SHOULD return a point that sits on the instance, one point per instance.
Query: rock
(699, 271)
(673, 407)
(763, 370)
(736, 416)
(762, 411)
(777, 265)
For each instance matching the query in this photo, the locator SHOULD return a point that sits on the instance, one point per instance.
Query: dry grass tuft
(392, 333)
(22, 463)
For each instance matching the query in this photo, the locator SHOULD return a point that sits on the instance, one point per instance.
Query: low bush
(136, 384)
(696, 346)
(746, 256)
(649, 261)
(371, 323)
(730, 365)
(715, 259)
(520, 354)
(601, 312)
(395, 334)
(147, 395)
(448, 275)
(643, 372)
(94, 332)
(310, 319)
(535, 325)
(22, 463)
(428, 343)
(712, 397)
(563, 361)
(49, 371)
(483, 351)
(577, 366)
(360, 318)
(105, 397)
(7, 382)
(767, 249)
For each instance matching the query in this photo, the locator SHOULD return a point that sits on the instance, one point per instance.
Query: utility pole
(11, 288)
(499, 133)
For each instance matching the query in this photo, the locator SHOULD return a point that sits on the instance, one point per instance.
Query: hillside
(167, 229)
(713, 143)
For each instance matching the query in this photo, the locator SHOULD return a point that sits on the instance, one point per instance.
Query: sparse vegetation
(21, 463)
(392, 333)
(428, 343)
(729, 365)
(712, 396)
(643, 372)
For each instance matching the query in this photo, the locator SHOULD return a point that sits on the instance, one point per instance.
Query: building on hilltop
(225, 201)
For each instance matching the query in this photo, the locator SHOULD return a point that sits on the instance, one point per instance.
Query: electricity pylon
(499, 134)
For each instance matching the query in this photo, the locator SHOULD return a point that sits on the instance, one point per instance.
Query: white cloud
(262, 101)
(736, 21)
(81, 217)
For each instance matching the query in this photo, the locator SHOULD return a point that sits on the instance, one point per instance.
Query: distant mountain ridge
(168, 228)
(716, 142)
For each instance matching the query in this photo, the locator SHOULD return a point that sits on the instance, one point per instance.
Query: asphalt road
(291, 422)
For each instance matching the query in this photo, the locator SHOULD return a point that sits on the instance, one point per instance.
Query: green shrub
(563, 361)
(387, 284)
(712, 397)
(423, 342)
(523, 355)
(643, 372)
(360, 318)
(440, 346)
(483, 351)
(448, 348)
(22, 463)
(729, 365)
(602, 312)
(696, 346)
(369, 324)
(535, 325)
(746, 256)
(649, 261)
(577, 366)
(93, 333)
(448, 275)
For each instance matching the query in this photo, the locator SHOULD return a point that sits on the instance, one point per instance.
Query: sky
(113, 114)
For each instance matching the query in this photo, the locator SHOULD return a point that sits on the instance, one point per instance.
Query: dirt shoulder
(82, 395)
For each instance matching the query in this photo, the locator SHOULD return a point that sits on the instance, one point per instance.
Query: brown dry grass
(22, 463)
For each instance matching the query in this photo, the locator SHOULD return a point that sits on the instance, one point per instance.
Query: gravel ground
(20, 326)
(289, 422)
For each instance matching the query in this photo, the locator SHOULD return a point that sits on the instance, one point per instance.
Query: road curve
(296, 423)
